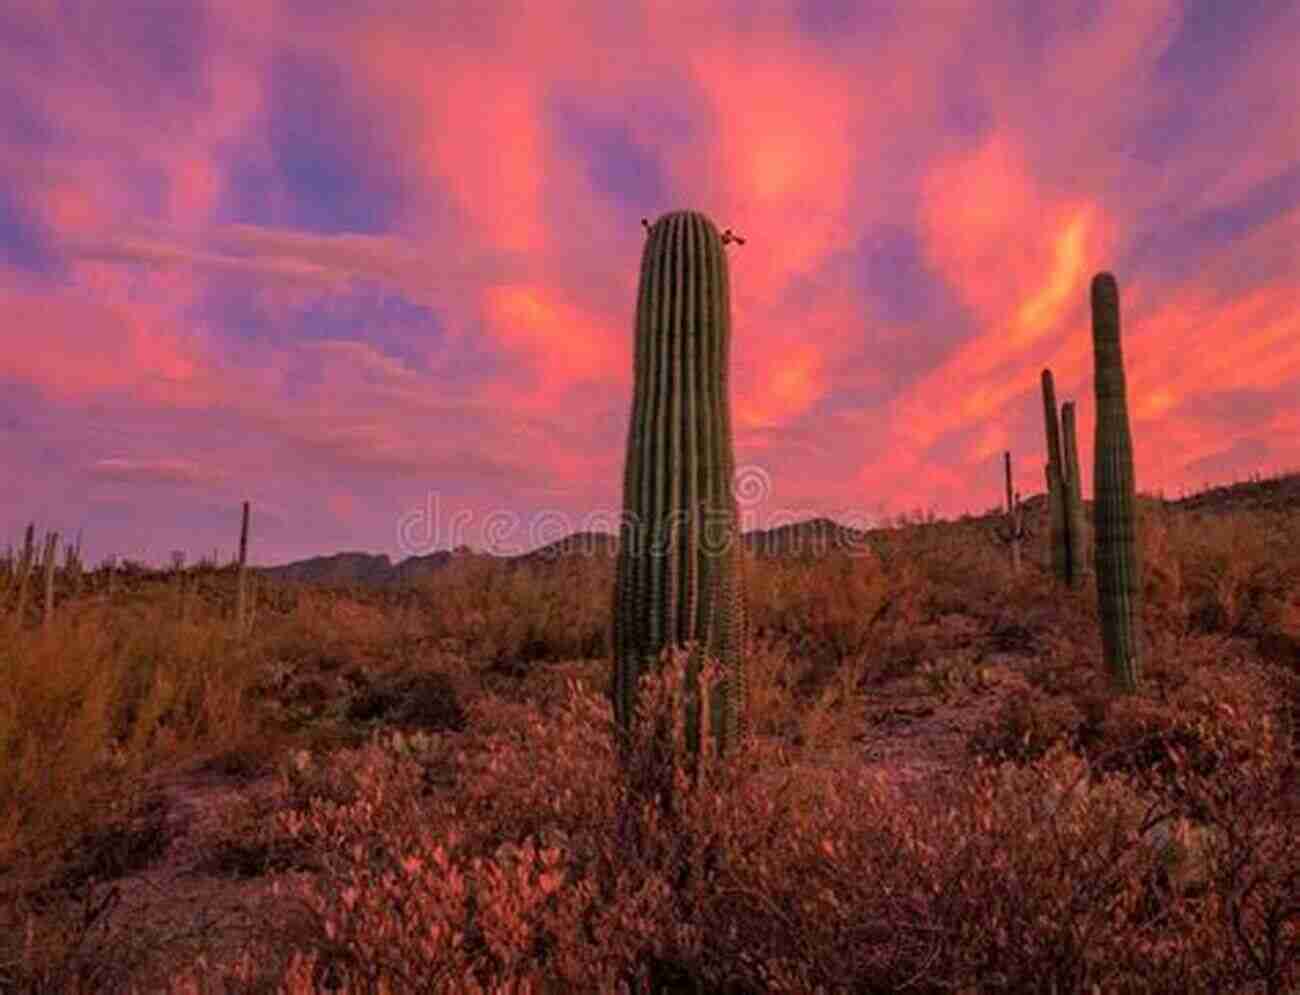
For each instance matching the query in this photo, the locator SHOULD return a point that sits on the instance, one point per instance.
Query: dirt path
(190, 896)
(909, 735)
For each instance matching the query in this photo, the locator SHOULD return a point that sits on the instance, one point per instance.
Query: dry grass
(418, 791)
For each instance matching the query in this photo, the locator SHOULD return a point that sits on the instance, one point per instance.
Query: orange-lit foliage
(1063, 836)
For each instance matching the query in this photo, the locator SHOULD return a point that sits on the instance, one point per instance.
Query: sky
(373, 267)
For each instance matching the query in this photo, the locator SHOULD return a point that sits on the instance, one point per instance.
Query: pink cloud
(1021, 261)
(562, 342)
(151, 471)
(341, 506)
(472, 124)
(87, 346)
(1259, 100)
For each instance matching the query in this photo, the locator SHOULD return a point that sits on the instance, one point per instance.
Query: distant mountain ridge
(344, 569)
(811, 537)
(814, 536)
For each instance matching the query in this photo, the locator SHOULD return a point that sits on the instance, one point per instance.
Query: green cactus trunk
(1076, 525)
(25, 571)
(51, 552)
(678, 576)
(1114, 495)
(241, 577)
(1058, 535)
(1015, 518)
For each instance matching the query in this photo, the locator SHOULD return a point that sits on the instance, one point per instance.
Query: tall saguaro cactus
(678, 580)
(1114, 498)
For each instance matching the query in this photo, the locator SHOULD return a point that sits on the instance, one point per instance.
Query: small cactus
(1056, 530)
(51, 551)
(1014, 533)
(25, 569)
(1076, 525)
(242, 613)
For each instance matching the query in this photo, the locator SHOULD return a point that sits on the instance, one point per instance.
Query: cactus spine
(1114, 490)
(1076, 526)
(678, 576)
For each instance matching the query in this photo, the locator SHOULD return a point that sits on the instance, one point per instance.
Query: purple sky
(376, 273)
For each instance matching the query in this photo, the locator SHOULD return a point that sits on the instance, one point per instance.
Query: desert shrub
(1216, 719)
(829, 605)
(510, 614)
(426, 700)
(1211, 572)
(102, 696)
(966, 570)
(322, 629)
(1027, 724)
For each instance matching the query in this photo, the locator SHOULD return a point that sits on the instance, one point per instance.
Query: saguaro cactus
(25, 571)
(1057, 534)
(72, 565)
(1064, 496)
(1015, 527)
(1114, 495)
(241, 580)
(1076, 526)
(678, 580)
(51, 550)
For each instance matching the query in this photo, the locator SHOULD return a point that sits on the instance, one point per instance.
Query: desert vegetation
(416, 789)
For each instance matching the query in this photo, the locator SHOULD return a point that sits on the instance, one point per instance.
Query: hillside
(178, 787)
(811, 537)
